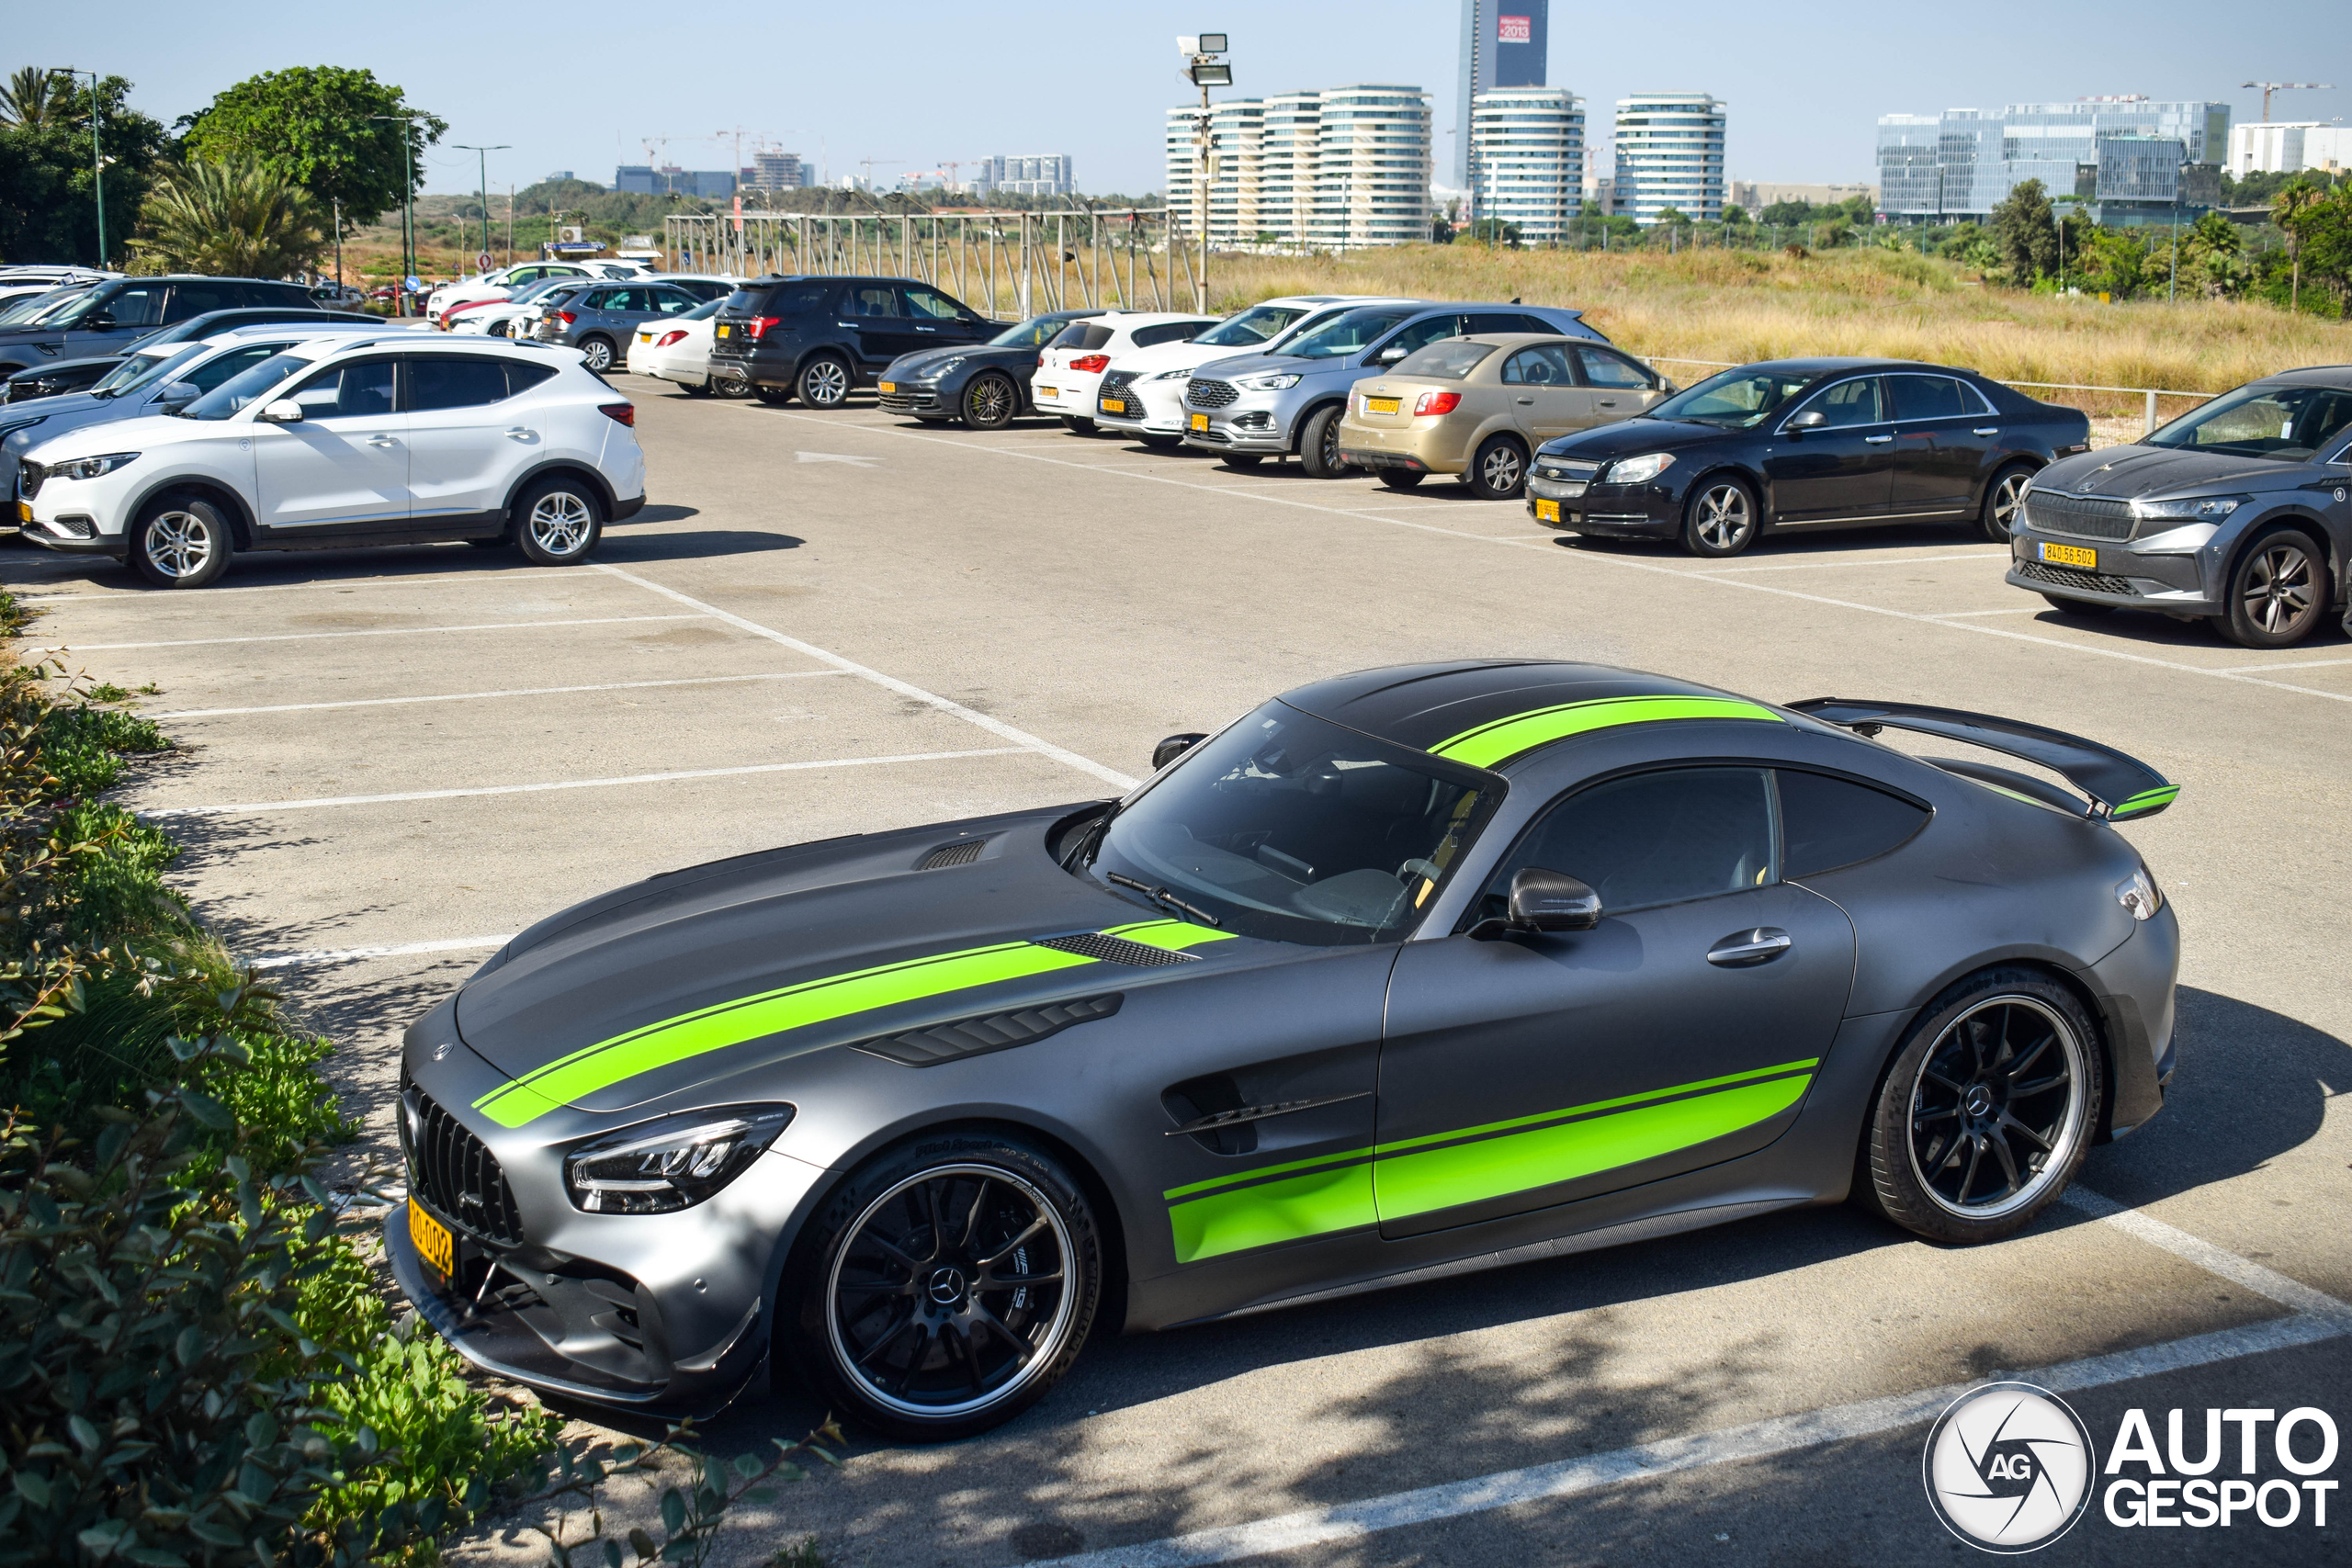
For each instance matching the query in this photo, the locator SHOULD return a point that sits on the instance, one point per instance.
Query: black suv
(818, 337)
(110, 315)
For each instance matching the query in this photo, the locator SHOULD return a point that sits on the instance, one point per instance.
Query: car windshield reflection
(1734, 400)
(2286, 424)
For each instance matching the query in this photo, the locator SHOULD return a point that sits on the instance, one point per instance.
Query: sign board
(1514, 29)
(415, 283)
(481, 262)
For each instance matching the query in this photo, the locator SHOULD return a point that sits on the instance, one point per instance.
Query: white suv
(345, 442)
(1143, 392)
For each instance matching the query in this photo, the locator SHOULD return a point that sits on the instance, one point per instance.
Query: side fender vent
(962, 852)
(978, 1036)
(1117, 950)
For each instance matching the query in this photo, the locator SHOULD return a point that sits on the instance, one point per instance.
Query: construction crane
(867, 164)
(2270, 87)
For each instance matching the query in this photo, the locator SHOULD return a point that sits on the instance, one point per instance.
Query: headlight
(90, 468)
(2140, 894)
(941, 372)
(674, 1163)
(1174, 376)
(1638, 471)
(1274, 383)
(2205, 506)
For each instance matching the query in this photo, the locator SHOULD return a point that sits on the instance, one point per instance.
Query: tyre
(824, 382)
(696, 389)
(2004, 502)
(950, 1284)
(1319, 443)
(1077, 426)
(1987, 1110)
(2277, 590)
(558, 521)
(2075, 606)
(1243, 462)
(775, 396)
(729, 387)
(180, 541)
(1162, 443)
(1499, 471)
(1719, 519)
(989, 401)
(1401, 478)
(596, 352)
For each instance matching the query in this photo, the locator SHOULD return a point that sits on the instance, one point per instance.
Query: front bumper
(916, 399)
(1154, 407)
(1253, 421)
(1617, 511)
(2169, 580)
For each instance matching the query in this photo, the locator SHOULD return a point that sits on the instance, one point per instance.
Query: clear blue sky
(581, 85)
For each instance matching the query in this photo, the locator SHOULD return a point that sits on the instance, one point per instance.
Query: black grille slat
(963, 853)
(978, 1036)
(2083, 516)
(447, 1162)
(2067, 577)
(1117, 950)
(1210, 394)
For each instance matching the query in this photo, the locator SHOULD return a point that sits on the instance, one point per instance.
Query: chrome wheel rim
(179, 544)
(560, 523)
(1724, 517)
(2278, 587)
(2008, 500)
(951, 1292)
(1500, 470)
(598, 354)
(824, 383)
(1997, 1108)
(987, 399)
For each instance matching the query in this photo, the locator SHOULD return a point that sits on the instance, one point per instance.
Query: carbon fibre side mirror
(1544, 901)
(1175, 746)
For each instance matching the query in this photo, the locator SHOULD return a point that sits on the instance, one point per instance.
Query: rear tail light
(566, 317)
(1041, 362)
(666, 339)
(624, 412)
(757, 327)
(1091, 362)
(1436, 402)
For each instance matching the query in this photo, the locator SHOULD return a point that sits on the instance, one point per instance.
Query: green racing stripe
(1504, 738)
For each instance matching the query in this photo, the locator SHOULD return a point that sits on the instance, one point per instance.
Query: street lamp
(97, 163)
(482, 160)
(1204, 70)
(408, 204)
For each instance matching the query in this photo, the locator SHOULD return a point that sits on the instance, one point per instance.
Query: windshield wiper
(1161, 896)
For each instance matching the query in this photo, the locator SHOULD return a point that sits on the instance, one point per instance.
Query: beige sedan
(1478, 407)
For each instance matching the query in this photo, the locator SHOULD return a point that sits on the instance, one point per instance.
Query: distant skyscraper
(1504, 44)
(1530, 152)
(2129, 156)
(1339, 169)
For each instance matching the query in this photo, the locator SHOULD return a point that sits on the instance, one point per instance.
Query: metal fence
(1017, 262)
(2151, 394)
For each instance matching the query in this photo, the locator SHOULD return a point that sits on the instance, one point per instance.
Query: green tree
(2211, 258)
(2292, 209)
(2027, 233)
(1735, 214)
(47, 205)
(235, 217)
(313, 124)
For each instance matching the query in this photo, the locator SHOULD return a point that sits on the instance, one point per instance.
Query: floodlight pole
(1202, 67)
(482, 160)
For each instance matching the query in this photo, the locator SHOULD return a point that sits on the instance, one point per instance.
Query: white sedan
(501, 317)
(678, 349)
(1070, 367)
(1143, 394)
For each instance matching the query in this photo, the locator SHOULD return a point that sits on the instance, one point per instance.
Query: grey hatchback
(598, 320)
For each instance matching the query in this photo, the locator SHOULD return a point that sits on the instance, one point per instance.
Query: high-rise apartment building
(2134, 157)
(644, 179)
(1527, 146)
(2281, 147)
(1042, 173)
(1504, 43)
(1339, 169)
(1670, 153)
(771, 170)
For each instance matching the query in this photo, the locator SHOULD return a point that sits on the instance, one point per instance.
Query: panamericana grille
(2083, 516)
(1114, 386)
(2067, 577)
(907, 402)
(454, 1172)
(28, 477)
(1202, 394)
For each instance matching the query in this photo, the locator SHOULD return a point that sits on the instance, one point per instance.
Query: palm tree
(2290, 209)
(36, 96)
(231, 218)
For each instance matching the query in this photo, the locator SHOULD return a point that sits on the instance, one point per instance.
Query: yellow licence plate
(1115, 405)
(432, 1239)
(1200, 422)
(890, 386)
(1383, 405)
(1547, 511)
(2070, 555)
(1047, 392)
(725, 330)
(24, 512)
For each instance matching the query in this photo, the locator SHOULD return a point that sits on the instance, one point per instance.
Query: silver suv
(599, 319)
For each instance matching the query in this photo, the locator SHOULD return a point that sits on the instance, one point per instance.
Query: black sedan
(986, 385)
(80, 375)
(1792, 444)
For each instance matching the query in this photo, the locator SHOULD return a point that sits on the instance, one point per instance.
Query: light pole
(1205, 71)
(97, 161)
(483, 161)
(408, 204)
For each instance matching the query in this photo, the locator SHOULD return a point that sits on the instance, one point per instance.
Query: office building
(1753, 197)
(1044, 174)
(1527, 160)
(2275, 147)
(771, 170)
(2128, 160)
(1339, 169)
(644, 179)
(1504, 43)
(1669, 153)
(561, 174)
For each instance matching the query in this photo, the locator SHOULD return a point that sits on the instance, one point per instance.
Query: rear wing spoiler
(2119, 787)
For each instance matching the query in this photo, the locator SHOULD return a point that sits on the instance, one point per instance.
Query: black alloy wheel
(731, 387)
(1498, 471)
(596, 352)
(957, 1281)
(1719, 519)
(1987, 1111)
(2277, 590)
(824, 382)
(1401, 478)
(2004, 502)
(1319, 443)
(989, 401)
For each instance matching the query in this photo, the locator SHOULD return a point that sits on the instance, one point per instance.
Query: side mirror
(99, 322)
(1172, 748)
(1544, 901)
(1812, 419)
(1389, 355)
(285, 410)
(179, 393)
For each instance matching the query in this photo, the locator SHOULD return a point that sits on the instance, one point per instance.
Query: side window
(235, 362)
(521, 376)
(795, 302)
(1849, 402)
(925, 306)
(360, 389)
(455, 382)
(612, 300)
(1973, 401)
(200, 299)
(1505, 322)
(873, 299)
(1421, 334)
(1926, 397)
(1605, 369)
(1828, 822)
(1542, 365)
(137, 306)
(1652, 839)
(526, 275)
(670, 301)
(1169, 331)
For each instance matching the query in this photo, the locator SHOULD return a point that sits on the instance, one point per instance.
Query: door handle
(1741, 949)
(521, 433)
(1527, 400)
(382, 441)
(1878, 440)
(1986, 430)
(1608, 403)
(926, 329)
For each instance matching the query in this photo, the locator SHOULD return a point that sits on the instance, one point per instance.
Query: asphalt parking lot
(826, 623)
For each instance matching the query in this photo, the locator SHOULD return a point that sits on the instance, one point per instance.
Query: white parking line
(1970, 615)
(2314, 1317)
(344, 585)
(265, 808)
(375, 631)
(1021, 738)
(397, 949)
(478, 697)
(2302, 664)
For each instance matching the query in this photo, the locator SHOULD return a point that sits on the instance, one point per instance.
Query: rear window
(1169, 331)
(1085, 336)
(793, 299)
(1828, 822)
(1447, 361)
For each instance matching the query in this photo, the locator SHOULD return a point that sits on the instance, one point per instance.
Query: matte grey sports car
(1406, 973)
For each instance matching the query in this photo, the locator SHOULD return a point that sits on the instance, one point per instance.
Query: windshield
(1447, 361)
(2287, 424)
(1734, 400)
(1034, 333)
(244, 391)
(137, 370)
(1259, 323)
(1290, 828)
(540, 286)
(40, 307)
(1350, 334)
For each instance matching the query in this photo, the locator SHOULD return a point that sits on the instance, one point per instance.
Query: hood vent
(1117, 950)
(962, 852)
(978, 1036)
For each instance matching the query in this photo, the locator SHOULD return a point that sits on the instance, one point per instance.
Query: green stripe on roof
(1504, 738)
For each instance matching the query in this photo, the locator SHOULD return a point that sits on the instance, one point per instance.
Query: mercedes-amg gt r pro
(1406, 973)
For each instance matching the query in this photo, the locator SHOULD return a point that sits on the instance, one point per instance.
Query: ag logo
(2008, 1468)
